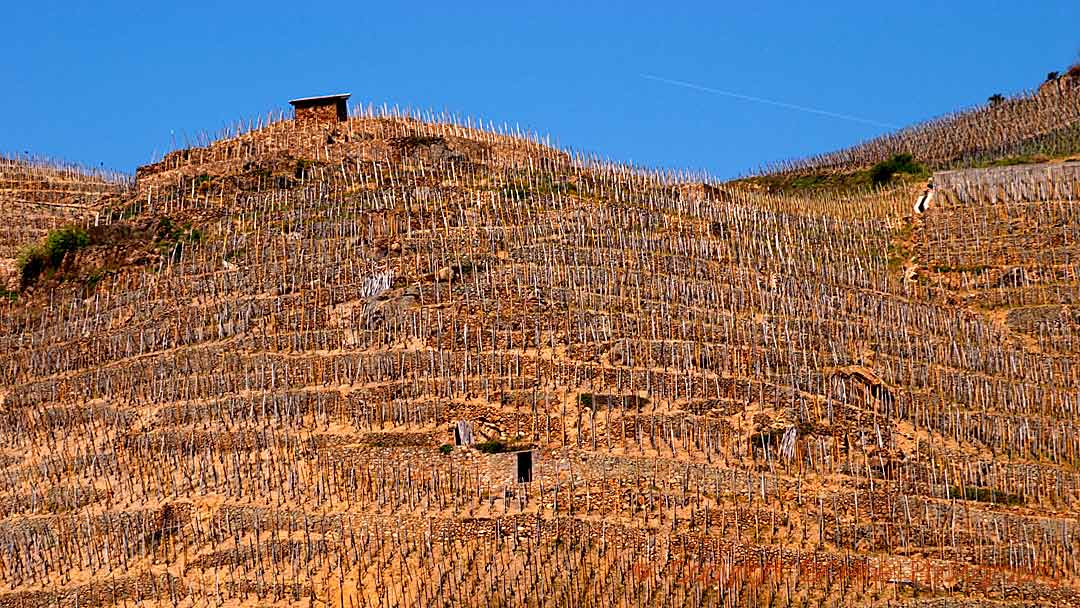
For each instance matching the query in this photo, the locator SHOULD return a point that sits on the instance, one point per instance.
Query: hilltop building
(328, 108)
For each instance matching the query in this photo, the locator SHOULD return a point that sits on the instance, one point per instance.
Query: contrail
(790, 106)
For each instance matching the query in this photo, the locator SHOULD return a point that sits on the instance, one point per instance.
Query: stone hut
(328, 108)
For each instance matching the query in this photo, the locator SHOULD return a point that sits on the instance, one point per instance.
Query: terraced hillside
(1044, 122)
(37, 196)
(728, 398)
(1004, 241)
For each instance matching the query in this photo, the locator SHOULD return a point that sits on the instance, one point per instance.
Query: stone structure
(328, 108)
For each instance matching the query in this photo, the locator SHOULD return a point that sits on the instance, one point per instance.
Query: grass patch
(542, 187)
(897, 255)
(1012, 161)
(840, 183)
(898, 251)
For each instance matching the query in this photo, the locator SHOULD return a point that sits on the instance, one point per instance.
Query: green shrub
(32, 261)
(883, 172)
(445, 449)
(491, 446)
(59, 242)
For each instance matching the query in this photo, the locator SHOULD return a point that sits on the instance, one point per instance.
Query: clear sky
(110, 83)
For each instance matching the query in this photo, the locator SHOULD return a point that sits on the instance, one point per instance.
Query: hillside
(38, 196)
(1028, 127)
(728, 398)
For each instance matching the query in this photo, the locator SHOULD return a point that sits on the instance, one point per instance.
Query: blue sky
(111, 83)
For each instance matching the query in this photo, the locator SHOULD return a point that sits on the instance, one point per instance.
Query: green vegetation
(35, 260)
(971, 268)
(169, 231)
(163, 235)
(519, 188)
(585, 400)
(1062, 143)
(497, 446)
(445, 449)
(1010, 161)
(203, 182)
(491, 446)
(128, 211)
(170, 238)
(898, 169)
(8, 294)
(883, 172)
(94, 278)
(1028, 159)
(898, 250)
(258, 170)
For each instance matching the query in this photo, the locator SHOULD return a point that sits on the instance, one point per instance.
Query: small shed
(327, 108)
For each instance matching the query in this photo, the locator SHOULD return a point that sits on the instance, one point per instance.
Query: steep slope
(1004, 241)
(728, 398)
(1044, 122)
(37, 196)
